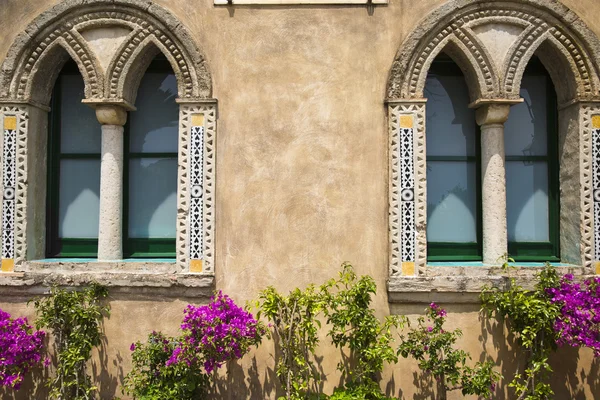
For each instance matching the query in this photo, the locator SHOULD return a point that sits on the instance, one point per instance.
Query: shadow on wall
(238, 383)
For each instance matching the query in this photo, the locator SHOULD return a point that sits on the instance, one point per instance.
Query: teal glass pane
(527, 201)
(154, 126)
(451, 202)
(451, 125)
(79, 129)
(79, 203)
(152, 197)
(526, 131)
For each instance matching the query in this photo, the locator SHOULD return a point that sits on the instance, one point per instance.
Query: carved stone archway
(112, 42)
(492, 42)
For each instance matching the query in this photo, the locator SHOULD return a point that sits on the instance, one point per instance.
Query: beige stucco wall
(302, 173)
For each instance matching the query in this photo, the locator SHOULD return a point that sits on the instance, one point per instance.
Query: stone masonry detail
(137, 31)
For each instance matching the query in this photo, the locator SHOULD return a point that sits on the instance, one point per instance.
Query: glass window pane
(152, 197)
(526, 131)
(451, 202)
(79, 129)
(153, 127)
(79, 203)
(527, 201)
(451, 124)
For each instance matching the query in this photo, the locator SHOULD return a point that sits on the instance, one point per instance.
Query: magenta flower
(20, 349)
(216, 333)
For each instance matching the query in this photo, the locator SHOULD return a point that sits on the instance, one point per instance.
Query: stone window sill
(152, 277)
(462, 282)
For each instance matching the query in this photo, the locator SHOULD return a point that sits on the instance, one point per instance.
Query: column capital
(489, 114)
(110, 114)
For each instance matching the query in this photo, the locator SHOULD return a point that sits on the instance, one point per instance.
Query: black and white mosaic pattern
(596, 189)
(407, 197)
(196, 181)
(8, 198)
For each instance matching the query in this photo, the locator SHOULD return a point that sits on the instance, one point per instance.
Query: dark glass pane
(79, 201)
(451, 125)
(152, 197)
(154, 126)
(79, 129)
(451, 201)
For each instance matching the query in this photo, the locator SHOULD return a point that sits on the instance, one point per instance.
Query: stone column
(491, 118)
(110, 235)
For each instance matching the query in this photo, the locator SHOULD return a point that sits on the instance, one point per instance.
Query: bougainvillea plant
(151, 379)
(20, 349)
(217, 332)
(433, 347)
(578, 323)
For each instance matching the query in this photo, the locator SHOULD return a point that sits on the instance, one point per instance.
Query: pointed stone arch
(493, 42)
(63, 25)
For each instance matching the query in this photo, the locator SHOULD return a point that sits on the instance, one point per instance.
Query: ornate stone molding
(196, 187)
(493, 42)
(408, 189)
(112, 43)
(590, 187)
(544, 26)
(34, 60)
(15, 121)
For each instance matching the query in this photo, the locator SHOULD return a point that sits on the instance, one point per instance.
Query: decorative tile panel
(196, 188)
(595, 122)
(407, 189)
(14, 172)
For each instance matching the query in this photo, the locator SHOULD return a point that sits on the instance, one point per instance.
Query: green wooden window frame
(88, 248)
(458, 251)
(144, 247)
(519, 251)
(550, 250)
(55, 245)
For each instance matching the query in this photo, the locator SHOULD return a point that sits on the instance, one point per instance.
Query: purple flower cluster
(579, 321)
(20, 349)
(217, 332)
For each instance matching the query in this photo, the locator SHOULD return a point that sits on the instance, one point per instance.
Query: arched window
(453, 170)
(150, 166)
(532, 198)
(73, 170)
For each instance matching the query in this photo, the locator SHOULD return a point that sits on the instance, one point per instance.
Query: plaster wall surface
(302, 176)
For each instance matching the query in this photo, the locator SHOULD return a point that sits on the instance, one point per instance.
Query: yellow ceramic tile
(596, 121)
(406, 121)
(10, 123)
(8, 265)
(196, 266)
(408, 268)
(197, 119)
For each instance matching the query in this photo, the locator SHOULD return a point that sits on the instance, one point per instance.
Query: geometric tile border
(407, 188)
(9, 171)
(196, 187)
(14, 177)
(596, 187)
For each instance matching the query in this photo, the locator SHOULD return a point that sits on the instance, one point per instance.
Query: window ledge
(463, 282)
(140, 277)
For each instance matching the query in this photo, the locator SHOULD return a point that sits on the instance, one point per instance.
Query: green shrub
(74, 318)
